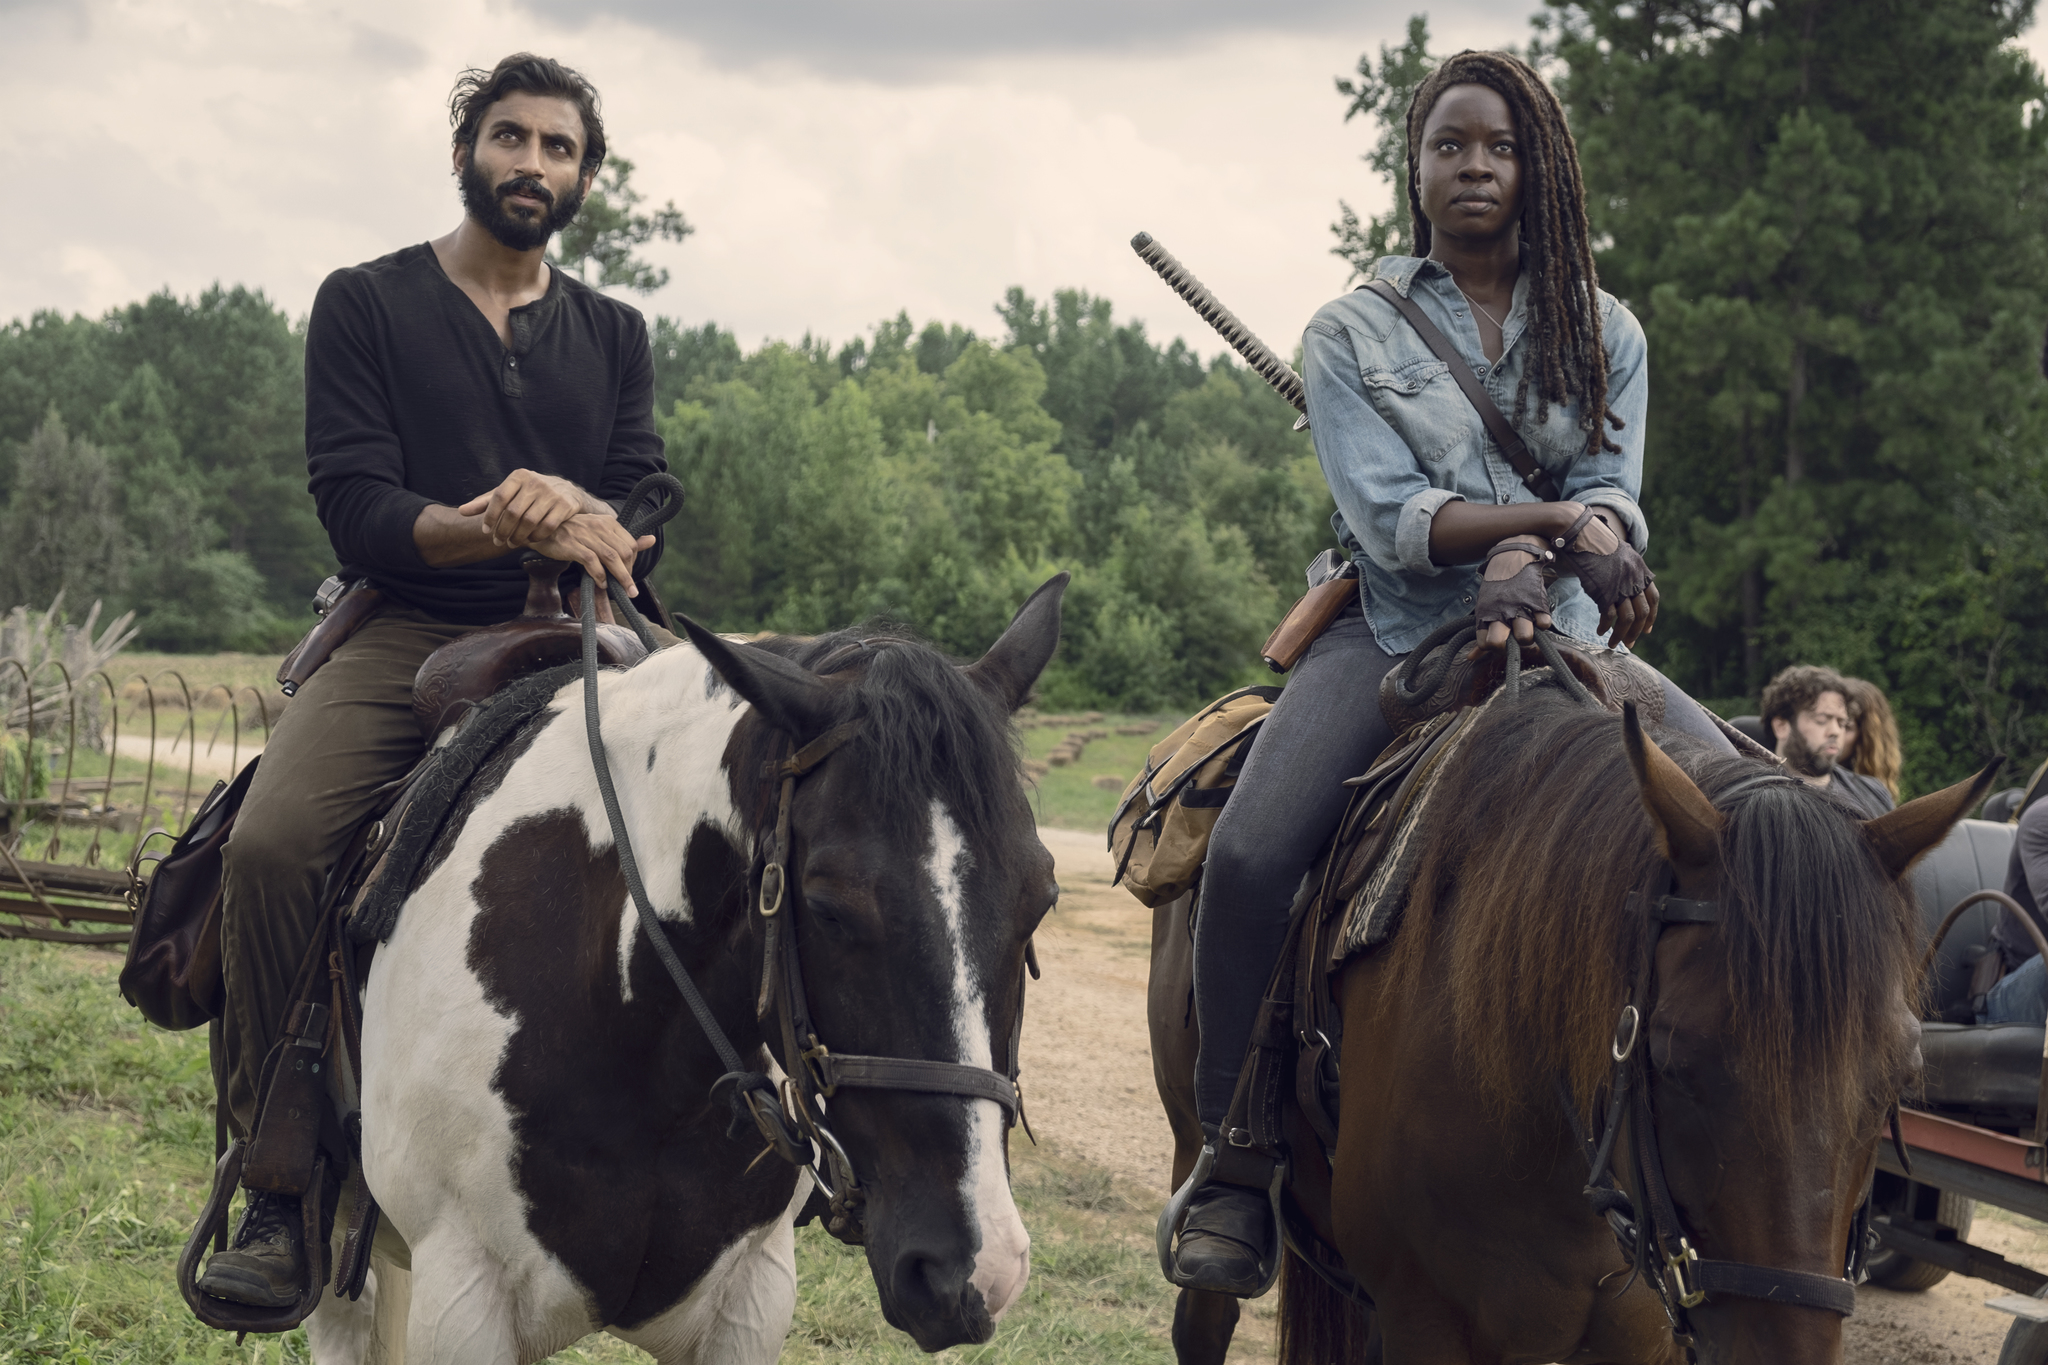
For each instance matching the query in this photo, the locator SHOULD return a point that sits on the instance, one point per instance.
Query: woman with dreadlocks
(1439, 525)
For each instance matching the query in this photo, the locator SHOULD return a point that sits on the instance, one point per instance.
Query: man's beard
(1803, 759)
(486, 204)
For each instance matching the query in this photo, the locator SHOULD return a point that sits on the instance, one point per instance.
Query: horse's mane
(931, 731)
(1523, 886)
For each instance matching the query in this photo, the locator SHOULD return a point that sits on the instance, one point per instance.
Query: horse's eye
(828, 916)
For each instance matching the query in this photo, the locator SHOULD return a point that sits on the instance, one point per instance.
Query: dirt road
(1088, 1080)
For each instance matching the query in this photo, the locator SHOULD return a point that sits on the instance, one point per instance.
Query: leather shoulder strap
(1534, 477)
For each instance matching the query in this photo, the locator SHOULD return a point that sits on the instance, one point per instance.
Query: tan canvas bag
(1160, 832)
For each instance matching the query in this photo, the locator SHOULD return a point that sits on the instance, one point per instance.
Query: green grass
(1066, 797)
(106, 1133)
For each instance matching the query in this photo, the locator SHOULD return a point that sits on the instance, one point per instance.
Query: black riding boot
(266, 1265)
(1226, 1239)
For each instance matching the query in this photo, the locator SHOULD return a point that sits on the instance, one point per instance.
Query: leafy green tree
(1102, 379)
(1828, 218)
(233, 371)
(62, 523)
(598, 245)
(1383, 92)
(686, 356)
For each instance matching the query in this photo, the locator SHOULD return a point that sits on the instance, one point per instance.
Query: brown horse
(1775, 1033)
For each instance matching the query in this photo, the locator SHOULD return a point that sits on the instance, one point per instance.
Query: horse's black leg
(1202, 1326)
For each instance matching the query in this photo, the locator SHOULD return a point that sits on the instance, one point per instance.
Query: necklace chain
(1482, 312)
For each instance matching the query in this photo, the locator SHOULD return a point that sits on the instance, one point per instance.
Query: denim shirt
(1398, 439)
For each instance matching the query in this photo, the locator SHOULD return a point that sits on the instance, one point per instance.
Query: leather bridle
(794, 1125)
(791, 1119)
(1644, 1217)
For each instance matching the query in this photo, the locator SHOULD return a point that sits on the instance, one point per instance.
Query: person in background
(2022, 996)
(1871, 746)
(1806, 711)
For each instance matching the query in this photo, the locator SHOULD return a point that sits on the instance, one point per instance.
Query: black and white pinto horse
(538, 1122)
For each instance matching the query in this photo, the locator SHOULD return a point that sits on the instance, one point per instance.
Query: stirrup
(1175, 1214)
(224, 1314)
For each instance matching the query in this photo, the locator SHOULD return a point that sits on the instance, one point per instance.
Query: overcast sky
(840, 161)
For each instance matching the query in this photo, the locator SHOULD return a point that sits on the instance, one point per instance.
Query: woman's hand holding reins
(1513, 598)
(1614, 576)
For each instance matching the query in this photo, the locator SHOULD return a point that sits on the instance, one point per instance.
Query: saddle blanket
(1374, 910)
(424, 807)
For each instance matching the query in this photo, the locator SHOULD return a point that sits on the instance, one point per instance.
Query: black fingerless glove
(1608, 579)
(1520, 598)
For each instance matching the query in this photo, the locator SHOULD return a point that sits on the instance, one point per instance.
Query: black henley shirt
(411, 400)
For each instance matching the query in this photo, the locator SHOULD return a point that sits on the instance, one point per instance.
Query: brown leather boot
(265, 1266)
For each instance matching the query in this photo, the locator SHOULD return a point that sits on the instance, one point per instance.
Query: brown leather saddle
(472, 669)
(468, 696)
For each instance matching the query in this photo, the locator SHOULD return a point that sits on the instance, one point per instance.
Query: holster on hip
(1332, 586)
(352, 604)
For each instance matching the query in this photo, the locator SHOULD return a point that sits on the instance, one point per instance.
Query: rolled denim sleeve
(1380, 489)
(1614, 479)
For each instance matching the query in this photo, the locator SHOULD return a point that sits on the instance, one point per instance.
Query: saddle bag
(173, 971)
(1160, 832)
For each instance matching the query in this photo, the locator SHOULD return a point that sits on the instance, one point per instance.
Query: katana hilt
(1256, 353)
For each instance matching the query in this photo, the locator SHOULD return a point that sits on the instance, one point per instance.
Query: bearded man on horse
(466, 404)
(1440, 526)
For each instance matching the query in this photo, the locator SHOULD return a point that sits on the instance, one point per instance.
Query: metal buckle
(773, 875)
(1683, 1264)
(1627, 1029)
(814, 1056)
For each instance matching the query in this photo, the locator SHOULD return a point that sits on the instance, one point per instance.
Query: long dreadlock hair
(1564, 300)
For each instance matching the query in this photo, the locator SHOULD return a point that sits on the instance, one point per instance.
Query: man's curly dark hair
(1797, 688)
(522, 73)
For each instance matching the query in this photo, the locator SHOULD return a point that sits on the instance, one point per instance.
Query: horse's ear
(1899, 837)
(1688, 827)
(789, 697)
(1014, 662)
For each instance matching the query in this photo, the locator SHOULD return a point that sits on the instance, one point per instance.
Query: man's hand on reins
(537, 512)
(527, 508)
(601, 545)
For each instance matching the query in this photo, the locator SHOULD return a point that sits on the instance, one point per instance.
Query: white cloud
(265, 142)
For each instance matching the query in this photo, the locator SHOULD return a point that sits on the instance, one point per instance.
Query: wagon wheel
(2027, 1342)
(1901, 1200)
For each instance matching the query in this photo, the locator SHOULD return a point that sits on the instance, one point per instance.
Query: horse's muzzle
(928, 1291)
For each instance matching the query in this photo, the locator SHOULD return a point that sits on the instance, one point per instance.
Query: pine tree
(1828, 218)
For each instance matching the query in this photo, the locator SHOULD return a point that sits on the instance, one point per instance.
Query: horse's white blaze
(1003, 1263)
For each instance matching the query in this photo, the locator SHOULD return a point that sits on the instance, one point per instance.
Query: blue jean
(1286, 804)
(2020, 997)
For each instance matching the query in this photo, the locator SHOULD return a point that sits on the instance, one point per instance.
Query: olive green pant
(349, 731)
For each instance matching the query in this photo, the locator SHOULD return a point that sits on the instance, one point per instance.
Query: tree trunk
(1795, 398)
(1752, 573)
